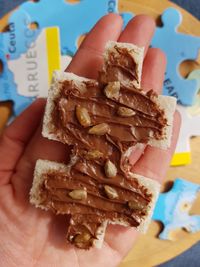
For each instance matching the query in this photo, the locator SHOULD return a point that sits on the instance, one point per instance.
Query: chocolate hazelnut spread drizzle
(101, 123)
(120, 66)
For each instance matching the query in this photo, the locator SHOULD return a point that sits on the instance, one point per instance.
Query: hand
(31, 237)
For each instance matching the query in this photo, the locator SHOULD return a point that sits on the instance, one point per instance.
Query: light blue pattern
(73, 19)
(12, 45)
(178, 47)
(171, 208)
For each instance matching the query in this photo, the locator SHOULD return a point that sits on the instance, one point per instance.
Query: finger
(116, 233)
(153, 72)
(88, 59)
(38, 148)
(148, 164)
(15, 137)
(139, 31)
(152, 78)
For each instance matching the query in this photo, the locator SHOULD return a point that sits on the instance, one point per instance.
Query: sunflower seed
(112, 90)
(99, 129)
(110, 192)
(110, 169)
(83, 116)
(125, 112)
(78, 194)
(135, 205)
(94, 154)
(82, 238)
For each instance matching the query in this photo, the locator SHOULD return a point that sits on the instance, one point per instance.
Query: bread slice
(36, 198)
(165, 103)
(136, 52)
(43, 167)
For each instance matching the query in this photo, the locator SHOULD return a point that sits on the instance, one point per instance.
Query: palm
(32, 237)
(36, 238)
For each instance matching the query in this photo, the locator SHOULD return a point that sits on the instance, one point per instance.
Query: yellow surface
(181, 159)
(149, 250)
(5, 112)
(53, 44)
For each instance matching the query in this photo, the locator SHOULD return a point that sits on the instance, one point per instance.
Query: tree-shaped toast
(103, 121)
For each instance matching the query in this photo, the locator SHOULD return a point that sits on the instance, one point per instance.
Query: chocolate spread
(147, 122)
(120, 66)
(88, 213)
(101, 120)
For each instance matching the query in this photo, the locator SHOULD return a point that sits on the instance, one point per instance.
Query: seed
(78, 194)
(94, 154)
(99, 129)
(112, 90)
(125, 112)
(110, 169)
(110, 192)
(135, 205)
(82, 238)
(83, 116)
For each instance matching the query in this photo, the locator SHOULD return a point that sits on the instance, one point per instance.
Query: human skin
(31, 237)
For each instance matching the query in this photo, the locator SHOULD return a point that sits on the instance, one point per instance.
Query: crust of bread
(136, 52)
(168, 104)
(40, 168)
(100, 233)
(43, 166)
(154, 188)
(54, 91)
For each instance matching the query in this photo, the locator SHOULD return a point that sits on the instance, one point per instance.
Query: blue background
(193, 6)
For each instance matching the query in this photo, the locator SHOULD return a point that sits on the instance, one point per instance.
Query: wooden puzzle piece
(173, 207)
